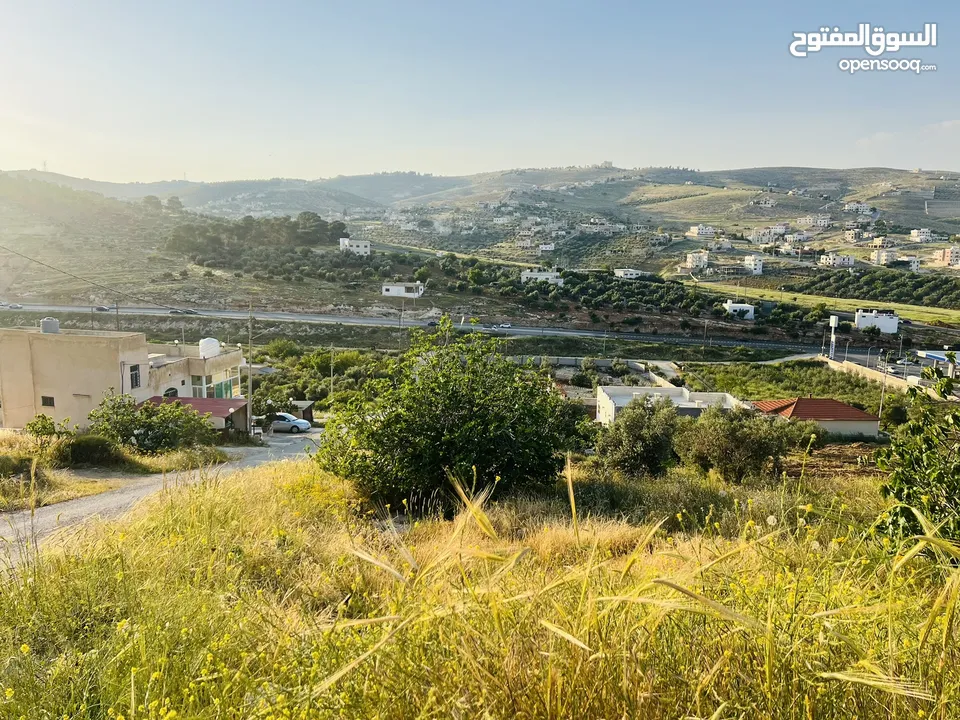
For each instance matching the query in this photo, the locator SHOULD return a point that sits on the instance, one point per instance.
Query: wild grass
(271, 595)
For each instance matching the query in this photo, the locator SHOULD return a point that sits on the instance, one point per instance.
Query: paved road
(387, 322)
(19, 530)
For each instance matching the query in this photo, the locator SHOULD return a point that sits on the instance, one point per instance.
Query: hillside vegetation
(884, 286)
(267, 595)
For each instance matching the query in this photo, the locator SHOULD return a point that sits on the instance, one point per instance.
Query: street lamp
(868, 354)
(846, 350)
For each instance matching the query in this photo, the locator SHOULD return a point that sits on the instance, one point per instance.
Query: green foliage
(451, 405)
(150, 428)
(85, 450)
(923, 462)
(740, 444)
(271, 400)
(882, 285)
(44, 430)
(640, 441)
(281, 348)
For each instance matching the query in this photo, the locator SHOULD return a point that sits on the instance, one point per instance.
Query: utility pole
(883, 389)
(331, 372)
(116, 306)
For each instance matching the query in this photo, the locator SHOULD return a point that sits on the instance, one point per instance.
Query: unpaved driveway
(22, 529)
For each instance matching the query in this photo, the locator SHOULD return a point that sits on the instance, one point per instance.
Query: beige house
(66, 373)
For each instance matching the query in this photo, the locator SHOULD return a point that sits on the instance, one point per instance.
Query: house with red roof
(832, 415)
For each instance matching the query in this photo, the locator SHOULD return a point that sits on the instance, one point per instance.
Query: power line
(114, 291)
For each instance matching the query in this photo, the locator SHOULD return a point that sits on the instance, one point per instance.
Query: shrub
(641, 439)
(148, 427)
(44, 430)
(84, 449)
(923, 463)
(581, 379)
(451, 406)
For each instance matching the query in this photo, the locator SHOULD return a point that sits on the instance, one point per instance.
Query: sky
(208, 90)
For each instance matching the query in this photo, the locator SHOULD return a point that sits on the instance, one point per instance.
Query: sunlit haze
(226, 90)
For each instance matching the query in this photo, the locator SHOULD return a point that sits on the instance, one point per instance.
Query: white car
(506, 326)
(285, 422)
(15, 306)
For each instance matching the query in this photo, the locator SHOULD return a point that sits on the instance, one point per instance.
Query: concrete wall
(75, 370)
(851, 427)
(893, 383)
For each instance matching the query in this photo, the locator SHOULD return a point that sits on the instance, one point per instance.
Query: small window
(196, 380)
(46, 401)
(134, 377)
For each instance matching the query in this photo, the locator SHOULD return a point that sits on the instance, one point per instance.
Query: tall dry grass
(271, 594)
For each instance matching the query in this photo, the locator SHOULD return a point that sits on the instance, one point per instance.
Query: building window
(46, 401)
(134, 377)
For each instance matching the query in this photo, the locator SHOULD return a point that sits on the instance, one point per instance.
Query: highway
(519, 331)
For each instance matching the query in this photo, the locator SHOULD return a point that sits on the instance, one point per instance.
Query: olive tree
(451, 406)
(640, 440)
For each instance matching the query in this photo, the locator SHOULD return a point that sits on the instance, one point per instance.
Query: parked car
(285, 422)
(506, 326)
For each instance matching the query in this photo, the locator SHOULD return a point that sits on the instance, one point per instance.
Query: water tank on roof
(50, 326)
(209, 347)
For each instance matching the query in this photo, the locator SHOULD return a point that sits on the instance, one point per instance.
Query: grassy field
(271, 595)
(912, 312)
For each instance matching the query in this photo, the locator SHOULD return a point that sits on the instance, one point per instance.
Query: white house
(357, 247)
(858, 207)
(701, 231)
(887, 320)
(629, 273)
(913, 263)
(797, 237)
(720, 244)
(921, 235)
(820, 221)
(611, 399)
(883, 256)
(403, 290)
(948, 256)
(502, 220)
(697, 260)
(525, 234)
(546, 248)
(753, 263)
(834, 260)
(745, 310)
(550, 276)
(767, 202)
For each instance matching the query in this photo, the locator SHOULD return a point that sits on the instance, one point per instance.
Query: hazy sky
(227, 90)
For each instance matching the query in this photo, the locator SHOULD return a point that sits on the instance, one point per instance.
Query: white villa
(550, 276)
(701, 231)
(921, 235)
(611, 399)
(753, 263)
(857, 207)
(883, 256)
(629, 273)
(357, 247)
(835, 260)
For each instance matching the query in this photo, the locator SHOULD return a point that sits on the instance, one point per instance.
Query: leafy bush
(923, 462)
(740, 443)
(641, 439)
(451, 407)
(79, 450)
(44, 430)
(150, 428)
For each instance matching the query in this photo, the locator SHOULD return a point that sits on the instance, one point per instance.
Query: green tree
(451, 405)
(269, 401)
(640, 441)
(44, 430)
(923, 462)
(148, 427)
(152, 203)
(174, 204)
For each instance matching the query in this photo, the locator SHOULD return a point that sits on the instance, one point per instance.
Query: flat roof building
(611, 399)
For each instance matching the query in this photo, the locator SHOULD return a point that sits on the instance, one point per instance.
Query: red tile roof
(813, 409)
(217, 407)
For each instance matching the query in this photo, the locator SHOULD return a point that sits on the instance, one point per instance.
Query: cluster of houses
(699, 261)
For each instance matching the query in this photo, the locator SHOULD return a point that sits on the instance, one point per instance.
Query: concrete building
(833, 416)
(853, 235)
(697, 260)
(886, 320)
(357, 247)
(948, 256)
(66, 373)
(744, 310)
(550, 276)
(753, 263)
(858, 207)
(883, 256)
(820, 221)
(834, 260)
(402, 290)
(546, 248)
(629, 273)
(913, 263)
(611, 399)
(921, 235)
(701, 232)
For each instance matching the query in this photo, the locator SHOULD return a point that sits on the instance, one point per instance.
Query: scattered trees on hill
(882, 285)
